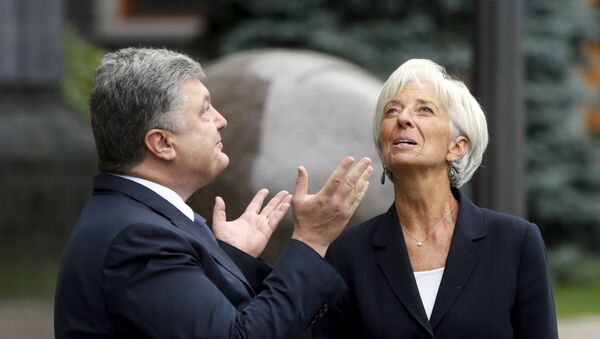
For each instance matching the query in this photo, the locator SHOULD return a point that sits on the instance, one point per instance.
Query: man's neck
(162, 177)
(165, 192)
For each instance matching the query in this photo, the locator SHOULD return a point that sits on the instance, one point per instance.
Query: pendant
(419, 243)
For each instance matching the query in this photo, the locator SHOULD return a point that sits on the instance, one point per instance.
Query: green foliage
(80, 59)
(377, 37)
(577, 300)
(570, 265)
(563, 184)
(563, 187)
(28, 271)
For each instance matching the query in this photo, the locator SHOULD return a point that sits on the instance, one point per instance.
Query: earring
(383, 177)
(452, 173)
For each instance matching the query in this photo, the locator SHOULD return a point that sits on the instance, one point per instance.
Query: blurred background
(297, 81)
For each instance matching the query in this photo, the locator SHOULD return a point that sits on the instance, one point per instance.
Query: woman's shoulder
(353, 247)
(357, 237)
(507, 225)
(499, 219)
(360, 230)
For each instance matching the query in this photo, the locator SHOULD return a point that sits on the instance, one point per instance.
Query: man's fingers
(279, 212)
(360, 197)
(354, 179)
(257, 202)
(274, 203)
(219, 215)
(337, 176)
(362, 185)
(301, 182)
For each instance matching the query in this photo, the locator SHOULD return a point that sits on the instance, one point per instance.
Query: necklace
(420, 242)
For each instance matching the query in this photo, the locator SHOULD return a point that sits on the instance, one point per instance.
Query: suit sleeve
(155, 287)
(534, 313)
(341, 320)
(255, 269)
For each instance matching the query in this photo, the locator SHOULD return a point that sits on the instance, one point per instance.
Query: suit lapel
(395, 264)
(144, 195)
(462, 258)
(215, 251)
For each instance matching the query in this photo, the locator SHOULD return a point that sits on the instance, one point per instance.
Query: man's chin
(225, 160)
(223, 163)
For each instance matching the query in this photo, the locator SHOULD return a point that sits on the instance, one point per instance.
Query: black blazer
(495, 284)
(136, 267)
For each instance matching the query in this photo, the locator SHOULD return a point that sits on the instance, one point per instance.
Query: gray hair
(135, 90)
(466, 116)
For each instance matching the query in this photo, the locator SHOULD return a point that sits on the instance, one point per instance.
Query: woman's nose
(404, 119)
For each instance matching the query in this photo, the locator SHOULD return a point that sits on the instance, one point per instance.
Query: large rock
(287, 108)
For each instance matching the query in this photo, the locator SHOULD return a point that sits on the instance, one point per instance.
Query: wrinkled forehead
(421, 91)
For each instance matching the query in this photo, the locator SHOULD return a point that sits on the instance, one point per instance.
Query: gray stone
(287, 108)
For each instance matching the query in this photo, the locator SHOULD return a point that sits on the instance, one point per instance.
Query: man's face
(198, 145)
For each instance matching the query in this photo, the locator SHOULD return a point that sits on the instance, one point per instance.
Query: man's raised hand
(319, 218)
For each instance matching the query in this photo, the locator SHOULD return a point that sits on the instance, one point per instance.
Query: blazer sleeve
(534, 313)
(154, 286)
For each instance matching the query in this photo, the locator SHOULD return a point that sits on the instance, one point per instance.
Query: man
(140, 263)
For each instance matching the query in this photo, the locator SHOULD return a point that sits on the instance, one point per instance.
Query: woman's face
(415, 130)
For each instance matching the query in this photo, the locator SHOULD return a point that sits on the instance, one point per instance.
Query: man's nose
(219, 120)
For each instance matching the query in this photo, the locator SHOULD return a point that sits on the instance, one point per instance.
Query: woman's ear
(458, 147)
(159, 143)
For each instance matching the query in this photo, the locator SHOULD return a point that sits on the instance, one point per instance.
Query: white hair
(466, 116)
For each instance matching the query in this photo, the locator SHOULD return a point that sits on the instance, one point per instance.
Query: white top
(428, 283)
(165, 192)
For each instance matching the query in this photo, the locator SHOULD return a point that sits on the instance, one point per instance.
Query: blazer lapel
(394, 262)
(142, 194)
(462, 258)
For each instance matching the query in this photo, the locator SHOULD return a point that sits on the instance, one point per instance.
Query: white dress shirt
(165, 192)
(428, 283)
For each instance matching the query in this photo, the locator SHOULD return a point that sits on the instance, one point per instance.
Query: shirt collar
(165, 192)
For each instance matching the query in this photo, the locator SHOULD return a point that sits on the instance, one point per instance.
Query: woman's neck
(423, 203)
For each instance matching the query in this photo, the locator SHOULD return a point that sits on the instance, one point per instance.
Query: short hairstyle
(466, 116)
(135, 90)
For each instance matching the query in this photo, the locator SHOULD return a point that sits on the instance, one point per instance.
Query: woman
(435, 265)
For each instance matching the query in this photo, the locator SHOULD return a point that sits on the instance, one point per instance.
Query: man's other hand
(253, 229)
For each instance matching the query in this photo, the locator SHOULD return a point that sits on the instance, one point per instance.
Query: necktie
(204, 228)
(226, 266)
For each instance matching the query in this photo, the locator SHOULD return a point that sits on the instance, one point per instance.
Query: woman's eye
(426, 109)
(391, 110)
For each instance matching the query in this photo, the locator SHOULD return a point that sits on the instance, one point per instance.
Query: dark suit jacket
(495, 283)
(136, 267)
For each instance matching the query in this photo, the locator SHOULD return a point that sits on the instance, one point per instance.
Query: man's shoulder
(106, 216)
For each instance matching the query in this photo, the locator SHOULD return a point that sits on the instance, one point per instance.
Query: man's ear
(159, 143)
(458, 147)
